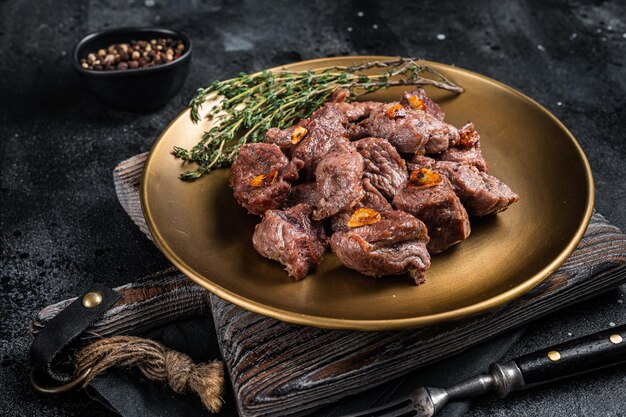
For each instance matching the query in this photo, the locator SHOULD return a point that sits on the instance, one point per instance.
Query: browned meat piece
(353, 111)
(419, 100)
(384, 167)
(305, 193)
(259, 177)
(281, 137)
(325, 130)
(358, 110)
(480, 193)
(431, 198)
(338, 177)
(410, 131)
(394, 245)
(291, 238)
(467, 150)
(371, 199)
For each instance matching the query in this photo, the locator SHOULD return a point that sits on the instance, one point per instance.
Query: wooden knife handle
(588, 353)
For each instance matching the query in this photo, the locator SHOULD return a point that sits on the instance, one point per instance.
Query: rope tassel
(157, 363)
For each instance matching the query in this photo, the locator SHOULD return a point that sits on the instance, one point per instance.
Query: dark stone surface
(61, 227)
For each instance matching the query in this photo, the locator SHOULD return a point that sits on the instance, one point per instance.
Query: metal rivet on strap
(92, 299)
(615, 339)
(554, 356)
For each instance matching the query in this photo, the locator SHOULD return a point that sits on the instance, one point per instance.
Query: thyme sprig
(253, 103)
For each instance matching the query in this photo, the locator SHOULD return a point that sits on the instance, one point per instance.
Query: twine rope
(157, 363)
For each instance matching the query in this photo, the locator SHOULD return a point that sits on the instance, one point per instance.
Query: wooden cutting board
(278, 368)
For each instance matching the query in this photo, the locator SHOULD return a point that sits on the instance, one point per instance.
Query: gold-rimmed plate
(202, 230)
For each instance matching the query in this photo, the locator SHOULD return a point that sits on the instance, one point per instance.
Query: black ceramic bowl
(140, 90)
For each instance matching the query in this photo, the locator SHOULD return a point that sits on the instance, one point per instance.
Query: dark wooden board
(278, 368)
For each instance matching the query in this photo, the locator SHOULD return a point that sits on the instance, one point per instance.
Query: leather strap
(60, 331)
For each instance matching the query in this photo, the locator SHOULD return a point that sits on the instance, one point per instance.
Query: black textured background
(61, 227)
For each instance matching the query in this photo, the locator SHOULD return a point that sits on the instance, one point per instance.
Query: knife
(588, 353)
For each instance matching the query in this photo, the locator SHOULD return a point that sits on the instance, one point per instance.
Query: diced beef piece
(410, 131)
(419, 100)
(259, 177)
(394, 245)
(326, 130)
(353, 111)
(371, 199)
(480, 193)
(291, 238)
(338, 177)
(384, 167)
(358, 110)
(439, 208)
(468, 149)
(305, 193)
(281, 137)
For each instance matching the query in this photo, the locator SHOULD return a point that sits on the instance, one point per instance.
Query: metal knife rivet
(92, 299)
(615, 338)
(554, 356)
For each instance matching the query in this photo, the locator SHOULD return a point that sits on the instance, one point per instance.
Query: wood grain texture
(126, 177)
(280, 369)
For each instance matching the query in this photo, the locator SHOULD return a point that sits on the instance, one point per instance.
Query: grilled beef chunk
(481, 194)
(410, 131)
(394, 245)
(338, 178)
(358, 110)
(371, 199)
(353, 111)
(418, 100)
(259, 177)
(467, 150)
(439, 208)
(305, 193)
(282, 137)
(291, 238)
(326, 129)
(384, 167)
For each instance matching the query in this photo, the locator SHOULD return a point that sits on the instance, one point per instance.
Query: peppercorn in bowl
(133, 69)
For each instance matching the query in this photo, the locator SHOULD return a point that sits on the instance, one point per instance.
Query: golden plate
(200, 228)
